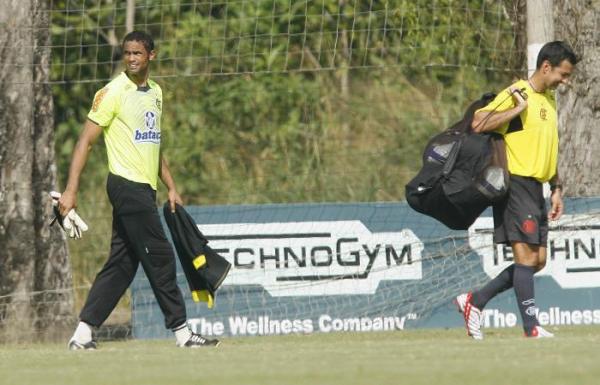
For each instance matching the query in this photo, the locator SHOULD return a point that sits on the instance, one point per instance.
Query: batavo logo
(151, 134)
(315, 258)
(573, 250)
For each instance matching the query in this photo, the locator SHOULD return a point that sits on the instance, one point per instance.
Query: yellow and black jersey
(532, 137)
(131, 119)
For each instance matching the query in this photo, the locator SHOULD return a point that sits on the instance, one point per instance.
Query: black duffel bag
(463, 173)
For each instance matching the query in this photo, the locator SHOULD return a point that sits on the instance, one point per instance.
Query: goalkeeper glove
(71, 223)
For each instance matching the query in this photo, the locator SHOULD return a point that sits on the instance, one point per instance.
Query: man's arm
(167, 179)
(557, 209)
(87, 138)
(485, 121)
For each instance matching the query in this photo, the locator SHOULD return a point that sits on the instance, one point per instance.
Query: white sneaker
(76, 345)
(471, 314)
(539, 332)
(197, 341)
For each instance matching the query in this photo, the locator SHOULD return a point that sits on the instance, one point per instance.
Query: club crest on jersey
(151, 133)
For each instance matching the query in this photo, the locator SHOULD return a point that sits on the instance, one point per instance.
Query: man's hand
(71, 223)
(174, 198)
(66, 202)
(520, 101)
(557, 208)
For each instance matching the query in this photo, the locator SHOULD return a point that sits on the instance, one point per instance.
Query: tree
(35, 278)
(577, 23)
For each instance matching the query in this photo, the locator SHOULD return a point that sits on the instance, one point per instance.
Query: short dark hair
(555, 52)
(142, 37)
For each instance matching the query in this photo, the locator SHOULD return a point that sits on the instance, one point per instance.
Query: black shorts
(522, 215)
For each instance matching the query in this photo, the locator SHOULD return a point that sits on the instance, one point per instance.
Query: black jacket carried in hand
(204, 269)
(463, 173)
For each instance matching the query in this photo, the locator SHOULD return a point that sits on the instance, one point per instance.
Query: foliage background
(282, 101)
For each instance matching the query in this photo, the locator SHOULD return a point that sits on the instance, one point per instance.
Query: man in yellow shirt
(128, 112)
(525, 114)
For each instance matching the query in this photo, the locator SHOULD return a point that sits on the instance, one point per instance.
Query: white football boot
(471, 314)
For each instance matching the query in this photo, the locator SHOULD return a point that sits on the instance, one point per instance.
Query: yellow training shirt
(130, 117)
(532, 137)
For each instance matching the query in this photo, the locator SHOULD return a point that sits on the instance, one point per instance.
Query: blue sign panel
(308, 268)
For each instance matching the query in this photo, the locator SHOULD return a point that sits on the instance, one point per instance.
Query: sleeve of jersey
(104, 107)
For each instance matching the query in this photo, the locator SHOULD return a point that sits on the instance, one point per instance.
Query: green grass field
(436, 357)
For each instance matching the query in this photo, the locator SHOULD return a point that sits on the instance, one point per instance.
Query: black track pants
(137, 236)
